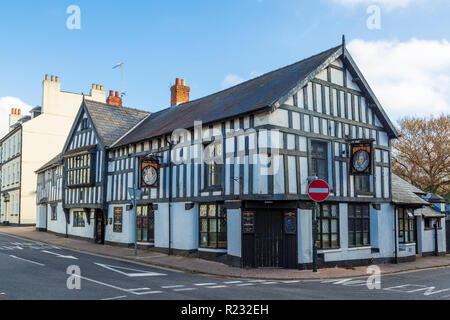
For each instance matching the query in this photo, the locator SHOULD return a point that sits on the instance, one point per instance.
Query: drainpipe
(170, 195)
(395, 235)
(436, 244)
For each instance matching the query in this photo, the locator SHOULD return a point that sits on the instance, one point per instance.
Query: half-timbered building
(49, 193)
(226, 176)
(96, 126)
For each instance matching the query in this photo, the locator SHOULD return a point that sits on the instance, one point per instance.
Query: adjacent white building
(31, 142)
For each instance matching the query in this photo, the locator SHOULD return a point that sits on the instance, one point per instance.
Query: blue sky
(214, 44)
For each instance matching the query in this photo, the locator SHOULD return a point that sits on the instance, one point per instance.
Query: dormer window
(80, 170)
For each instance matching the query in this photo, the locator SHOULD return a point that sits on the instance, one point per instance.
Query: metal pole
(315, 237)
(436, 243)
(395, 235)
(170, 197)
(134, 207)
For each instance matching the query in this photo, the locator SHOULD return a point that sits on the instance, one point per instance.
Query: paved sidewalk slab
(195, 265)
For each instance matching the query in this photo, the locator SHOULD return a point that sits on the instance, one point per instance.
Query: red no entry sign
(319, 190)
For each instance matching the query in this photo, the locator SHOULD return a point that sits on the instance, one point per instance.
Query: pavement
(204, 267)
(31, 270)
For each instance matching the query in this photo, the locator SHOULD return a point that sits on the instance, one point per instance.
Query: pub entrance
(145, 224)
(270, 238)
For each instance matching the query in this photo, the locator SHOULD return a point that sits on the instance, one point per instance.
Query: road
(32, 271)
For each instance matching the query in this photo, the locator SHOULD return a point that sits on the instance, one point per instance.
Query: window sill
(329, 251)
(359, 248)
(212, 250)
(213, 189)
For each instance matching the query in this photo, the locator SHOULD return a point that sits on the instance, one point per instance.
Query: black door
(145, 224)
(99, 227)
(273, 242)
(447, 230)
(269, 239)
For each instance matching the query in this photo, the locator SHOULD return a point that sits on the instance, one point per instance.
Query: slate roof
(405, 193)
(431, 213)
(250, 96)
(52, 163)
(112, 122)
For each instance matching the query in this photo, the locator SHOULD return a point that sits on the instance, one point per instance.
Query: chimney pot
(102, 88)
(56, 79)
(114, 99)
(93, 86)
(46, 77)
(18, 112)
(53, 78)
(179, 93)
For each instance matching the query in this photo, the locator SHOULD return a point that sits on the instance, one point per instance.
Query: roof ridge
(252, 79)
(114, 106)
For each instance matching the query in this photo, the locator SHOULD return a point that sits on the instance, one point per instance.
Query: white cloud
(6, 104)
(388, 4)
(409, 78)
(232, 80)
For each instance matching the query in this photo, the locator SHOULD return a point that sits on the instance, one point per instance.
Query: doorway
(272, 243)
(145, 224)
(99, 227)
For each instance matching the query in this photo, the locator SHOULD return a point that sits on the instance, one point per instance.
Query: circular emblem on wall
(150, 175)
(361, 161)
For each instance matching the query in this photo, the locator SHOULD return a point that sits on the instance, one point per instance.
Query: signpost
(318, 191)
(135, 194)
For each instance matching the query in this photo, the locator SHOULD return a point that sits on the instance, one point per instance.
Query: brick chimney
(114, 100)
(14, 117)
(179, 92)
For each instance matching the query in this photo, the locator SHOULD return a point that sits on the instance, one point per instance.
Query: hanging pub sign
(361, 157)
(149, 173)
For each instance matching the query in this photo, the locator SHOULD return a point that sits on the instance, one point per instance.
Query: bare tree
(422, 154)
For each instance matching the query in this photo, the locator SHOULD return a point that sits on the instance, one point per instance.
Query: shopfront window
(213, 226)
(78, 219)
(358, 225)
(406, 227)
(328, 219)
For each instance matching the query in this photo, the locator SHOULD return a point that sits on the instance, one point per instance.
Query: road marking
(291, 281)
(37, 263)
(115, 298)
(185, 289)
(172, 287)
(205, 284)
(132, 291)
(143, 291)
(245, 284)
(217, 287)
(270, 282)
(233, 282)
(136, 273)
(256, 281)
(60, 255)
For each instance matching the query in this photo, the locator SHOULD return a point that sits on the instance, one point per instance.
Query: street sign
(319, 190)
